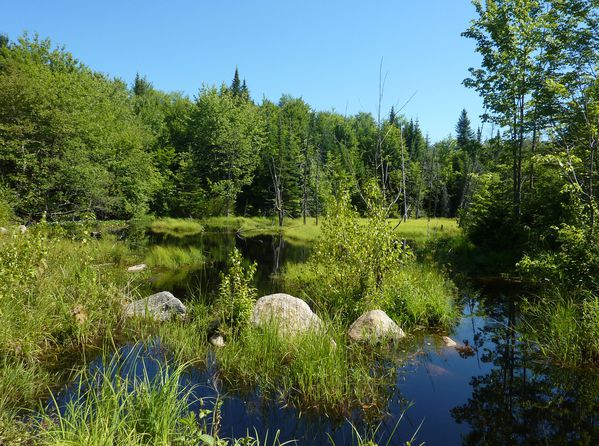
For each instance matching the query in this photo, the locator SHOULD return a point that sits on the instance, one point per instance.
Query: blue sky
(327, 52)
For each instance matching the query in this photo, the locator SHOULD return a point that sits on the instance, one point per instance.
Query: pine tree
(464, 133)
(236, 84)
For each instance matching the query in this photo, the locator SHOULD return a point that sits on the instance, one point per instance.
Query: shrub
(236, 294)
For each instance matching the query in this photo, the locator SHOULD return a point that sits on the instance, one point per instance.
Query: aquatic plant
(173, 257)
(313, 370)
(237, 293)
(176, 227)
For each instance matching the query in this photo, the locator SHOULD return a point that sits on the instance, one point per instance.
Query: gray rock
(217, 341)
(22, 229)
(374, 326)
(290, 314)
(137, 268)
(160, 307)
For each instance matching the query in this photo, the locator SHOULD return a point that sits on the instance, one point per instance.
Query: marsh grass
(173, 257)
(122, 402)
(176, 227)
(564, 329)
(294, 230)
(311, 371)
(134, 398)
(414, 295)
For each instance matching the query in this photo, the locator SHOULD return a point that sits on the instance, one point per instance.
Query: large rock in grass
(289, 314)
(160, 307)
(375, 326)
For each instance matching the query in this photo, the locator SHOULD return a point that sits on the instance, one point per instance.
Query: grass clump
(173, 257)
(308, 371)
(122, 404)
(176, 227)
(565, 330)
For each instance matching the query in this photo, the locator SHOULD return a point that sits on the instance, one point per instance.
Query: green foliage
(564, 329)
(356, 267)
(236, 294)
(7, 201)
(226, 140)
(69, 141)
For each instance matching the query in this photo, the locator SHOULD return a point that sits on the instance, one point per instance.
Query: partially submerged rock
(375, 326)
(160, 307)
(137, 268)
(449, 342)
(289, 314)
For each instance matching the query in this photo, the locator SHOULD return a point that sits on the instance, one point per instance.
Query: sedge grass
(173, 257)
(176, 227)
(311, 371)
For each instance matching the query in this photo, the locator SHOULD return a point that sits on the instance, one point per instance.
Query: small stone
(449, 342)
(137, 268)
(22, 229)
(3, 230)
(217, 341)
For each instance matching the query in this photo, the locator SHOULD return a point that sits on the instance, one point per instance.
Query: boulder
(290, 314)
(137, 268)
(22, 229)
(374, 326)
(160, 307)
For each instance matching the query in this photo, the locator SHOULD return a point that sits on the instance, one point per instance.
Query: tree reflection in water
(523, 401)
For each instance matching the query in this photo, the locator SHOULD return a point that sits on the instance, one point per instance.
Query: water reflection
(489, 393)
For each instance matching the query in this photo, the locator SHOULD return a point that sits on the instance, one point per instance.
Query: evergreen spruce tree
(464, 133)
(236, 84)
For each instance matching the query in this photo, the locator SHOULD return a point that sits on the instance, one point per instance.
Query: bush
(356, 267)
(236, 294)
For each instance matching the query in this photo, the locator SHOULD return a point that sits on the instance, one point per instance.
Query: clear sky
(327, 52)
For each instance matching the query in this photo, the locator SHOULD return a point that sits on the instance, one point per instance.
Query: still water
(489, 391)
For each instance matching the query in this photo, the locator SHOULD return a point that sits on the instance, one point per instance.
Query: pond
(489, 391)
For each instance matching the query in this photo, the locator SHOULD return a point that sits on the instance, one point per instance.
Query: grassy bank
(58, 295)
(294, 229)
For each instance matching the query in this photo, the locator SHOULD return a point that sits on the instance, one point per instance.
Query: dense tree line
(75, 143)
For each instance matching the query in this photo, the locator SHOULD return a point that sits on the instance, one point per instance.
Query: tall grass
(118, 403)
(309, 371)
(176, 227)
(134, 400)
(564, 329)
(173, 257)
(414, 295)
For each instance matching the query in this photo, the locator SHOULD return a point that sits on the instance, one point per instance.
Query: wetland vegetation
(483, 254)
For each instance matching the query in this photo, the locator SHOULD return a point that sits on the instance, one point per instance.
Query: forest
(97, 173)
